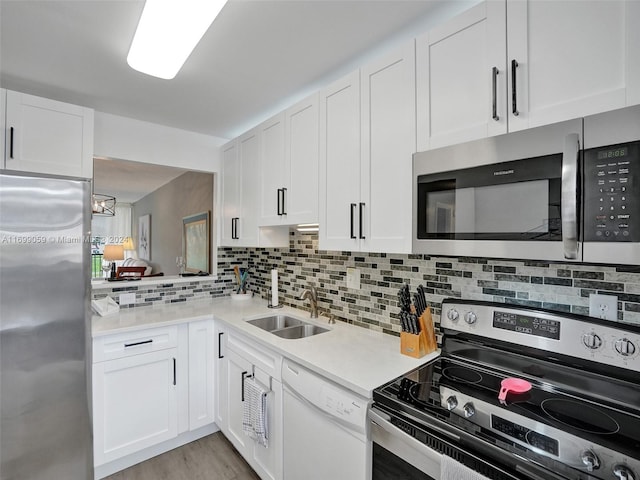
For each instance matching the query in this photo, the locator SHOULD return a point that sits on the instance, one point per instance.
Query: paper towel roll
(274, 287)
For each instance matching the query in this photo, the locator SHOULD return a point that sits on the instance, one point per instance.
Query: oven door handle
(422, 455)
(570, 196)
(383, 420)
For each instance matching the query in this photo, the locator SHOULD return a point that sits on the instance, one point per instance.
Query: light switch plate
(603, 306)
(353, 278)
(127, 299)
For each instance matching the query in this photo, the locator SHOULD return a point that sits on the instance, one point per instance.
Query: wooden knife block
(418, 346)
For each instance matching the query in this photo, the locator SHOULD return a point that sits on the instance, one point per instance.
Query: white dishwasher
(325, 428)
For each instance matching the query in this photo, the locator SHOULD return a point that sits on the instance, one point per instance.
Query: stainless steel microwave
(568, 191)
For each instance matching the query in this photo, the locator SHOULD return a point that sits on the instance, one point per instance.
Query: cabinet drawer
(134, 343)
(267, 361)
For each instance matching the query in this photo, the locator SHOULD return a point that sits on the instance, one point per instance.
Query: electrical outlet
(603, 306)
(353, 278)
(127, 299)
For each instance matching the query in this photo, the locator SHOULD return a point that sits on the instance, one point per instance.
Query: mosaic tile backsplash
(563, 287)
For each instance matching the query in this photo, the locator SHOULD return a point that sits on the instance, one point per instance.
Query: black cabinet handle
(279, 208)
(514, 96)
(220, 344)
(174, 371)
(234, 228)
(494, 75)
(352, 234)
(284, 212)
(244, 375)
(127, 345)
(361, 219)
(11, 142)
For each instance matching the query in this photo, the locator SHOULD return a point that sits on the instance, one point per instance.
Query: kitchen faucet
(312, 294)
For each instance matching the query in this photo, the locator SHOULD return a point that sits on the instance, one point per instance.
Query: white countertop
(102, 284)
(354, 357)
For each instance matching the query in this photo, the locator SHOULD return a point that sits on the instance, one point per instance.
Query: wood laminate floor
(210, 458)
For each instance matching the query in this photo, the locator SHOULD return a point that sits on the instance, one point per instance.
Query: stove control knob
(452, 402)
(469, 410)
(625, 347)
(592, 340)
(590, 460)
(623, 472)
(453, 315)
(470, 318)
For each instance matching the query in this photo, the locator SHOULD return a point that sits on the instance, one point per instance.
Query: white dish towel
(254, 414)
(451, 469)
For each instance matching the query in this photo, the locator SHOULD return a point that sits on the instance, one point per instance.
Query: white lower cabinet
(135, 403)
(238, 360)
(153, 390)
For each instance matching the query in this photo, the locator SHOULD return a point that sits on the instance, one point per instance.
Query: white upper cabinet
(46, 136)
(301, 161)
(273, 167)
(461, 76)
(388, 144)
(241, 195)
(568, 59)
(506, 66)
(230, 193)
(340, 164)
(249, 158)
(367, 138)
(289, 158)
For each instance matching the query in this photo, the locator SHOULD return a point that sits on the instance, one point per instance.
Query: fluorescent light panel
(308, 227)
(168, 32)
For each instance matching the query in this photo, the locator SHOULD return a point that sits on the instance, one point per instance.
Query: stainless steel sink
(301, 331)
(288, 327)
(275, 322)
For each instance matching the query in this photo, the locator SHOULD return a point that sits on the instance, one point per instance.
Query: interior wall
(186, 195)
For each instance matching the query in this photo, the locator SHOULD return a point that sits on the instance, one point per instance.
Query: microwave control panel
(612, 193)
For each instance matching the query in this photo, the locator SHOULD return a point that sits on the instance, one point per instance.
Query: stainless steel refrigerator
(45, 426)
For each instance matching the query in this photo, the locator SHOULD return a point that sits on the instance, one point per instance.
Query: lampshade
(113, 252)
(128, 244)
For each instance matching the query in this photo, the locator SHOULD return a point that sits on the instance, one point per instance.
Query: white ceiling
(257, 58)
(130, 181)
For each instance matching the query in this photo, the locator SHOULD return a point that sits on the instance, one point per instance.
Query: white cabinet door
(135, 403)
(274, 170)
(301, 160)
(46, 136)
(340, 164)
(455, 77)
(573, 58)
(249, 156)
(267, 461)
(201, 374)
(231, 172)
(221, 406)
(237, 369)
(388, 143)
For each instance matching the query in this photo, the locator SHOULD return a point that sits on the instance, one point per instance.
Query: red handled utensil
(514, 385)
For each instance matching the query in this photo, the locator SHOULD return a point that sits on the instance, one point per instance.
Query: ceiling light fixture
(103, 205)
(167, 33)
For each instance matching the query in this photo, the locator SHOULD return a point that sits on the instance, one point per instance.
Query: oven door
(399, 455)
(402, 450)
(513, 196)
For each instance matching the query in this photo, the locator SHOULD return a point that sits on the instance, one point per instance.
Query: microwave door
(611, 187)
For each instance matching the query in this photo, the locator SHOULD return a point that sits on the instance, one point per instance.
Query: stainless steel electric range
(573, 412)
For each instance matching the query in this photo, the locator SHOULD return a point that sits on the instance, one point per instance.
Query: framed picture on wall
(195, 242)
(144, 237)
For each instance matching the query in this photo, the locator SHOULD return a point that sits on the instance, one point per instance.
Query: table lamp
(113, 253)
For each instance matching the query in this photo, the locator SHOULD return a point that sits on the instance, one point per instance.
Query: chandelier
(103, 205)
